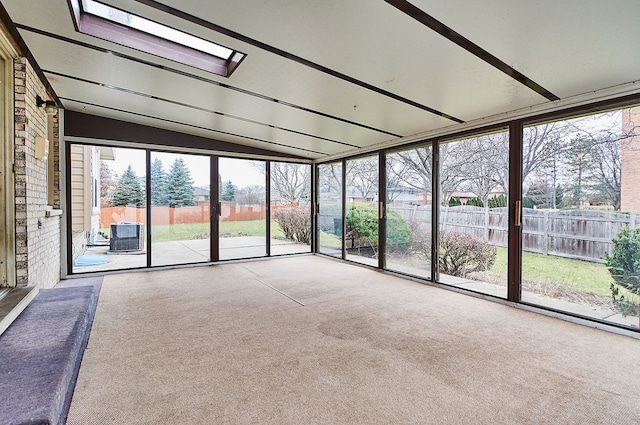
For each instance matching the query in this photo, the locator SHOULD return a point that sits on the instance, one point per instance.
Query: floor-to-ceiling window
(180, 208)
(108, 208)
(408, 220)
(581, 234)
(290, 208)
(329, 209)
(243, 208)
(473, 219)
(362, 210)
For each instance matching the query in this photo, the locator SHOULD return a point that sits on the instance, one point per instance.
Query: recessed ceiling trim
(199, 108)
(191, 125)
(437, 26)
(199, 78)
(256, 43)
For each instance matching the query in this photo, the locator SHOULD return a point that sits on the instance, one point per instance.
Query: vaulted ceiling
(328, 78)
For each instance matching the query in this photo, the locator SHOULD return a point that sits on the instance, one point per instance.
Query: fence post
(486, 223)
(545, 227)
(632, 221)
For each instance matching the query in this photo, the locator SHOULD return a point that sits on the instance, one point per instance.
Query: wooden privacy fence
(579, 234)
(194, 214)
(159, 215)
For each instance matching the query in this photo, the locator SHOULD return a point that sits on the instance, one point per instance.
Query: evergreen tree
(158, 183)
(476, 202)
(228, 192)
(179, 185)
(454, 202)
(129, 192)
(498, 201)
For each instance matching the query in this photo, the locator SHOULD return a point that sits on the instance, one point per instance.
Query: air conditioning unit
(126, 236)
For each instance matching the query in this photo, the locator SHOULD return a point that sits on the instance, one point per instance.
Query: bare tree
(484, 168)
(251, 195)
(108, 184)
(411, 167)
(362, 175)
(290, 182)
(542, 143)
(596, 152)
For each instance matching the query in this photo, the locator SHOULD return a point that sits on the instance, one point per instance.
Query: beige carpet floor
(220, 345)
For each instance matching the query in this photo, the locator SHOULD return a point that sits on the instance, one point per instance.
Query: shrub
(462, 254)
(362, 222)
(420, 241)
(295, 223)
(624, 265)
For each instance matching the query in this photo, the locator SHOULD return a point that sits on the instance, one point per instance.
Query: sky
(241, 172)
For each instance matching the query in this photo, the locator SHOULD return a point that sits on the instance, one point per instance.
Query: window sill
(52, 213)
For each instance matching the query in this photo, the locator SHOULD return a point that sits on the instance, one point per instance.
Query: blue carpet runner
(40, 353)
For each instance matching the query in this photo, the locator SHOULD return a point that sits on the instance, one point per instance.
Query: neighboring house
(202, 195)
(630, 163)
(85, 190)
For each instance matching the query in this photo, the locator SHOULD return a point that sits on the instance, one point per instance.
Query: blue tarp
(86, 260)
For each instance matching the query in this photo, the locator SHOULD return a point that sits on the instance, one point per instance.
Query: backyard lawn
(576, 274)
(185, 231)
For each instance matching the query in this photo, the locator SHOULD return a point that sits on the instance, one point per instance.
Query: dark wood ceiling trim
(437, 26)
(198, 108)
(78, 124)
(190, 125)
(245, 39)
(24, 51)
(197, 77)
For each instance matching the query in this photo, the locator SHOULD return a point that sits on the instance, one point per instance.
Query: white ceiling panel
(121, 73)
(383, 47)
(569, 47)
(147, 111)
(333, 77)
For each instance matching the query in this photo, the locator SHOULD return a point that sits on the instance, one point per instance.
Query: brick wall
(37, 236)
(630, 175)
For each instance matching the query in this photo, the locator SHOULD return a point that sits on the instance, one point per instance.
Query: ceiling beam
(437, 26)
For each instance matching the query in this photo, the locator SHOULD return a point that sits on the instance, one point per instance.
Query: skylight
(116, 25)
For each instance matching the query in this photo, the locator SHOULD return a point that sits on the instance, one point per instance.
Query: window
(121, 27)
(579, 218)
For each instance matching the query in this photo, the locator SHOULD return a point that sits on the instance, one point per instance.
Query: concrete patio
(187, 251)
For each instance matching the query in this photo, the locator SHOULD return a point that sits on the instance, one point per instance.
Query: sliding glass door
(408, 219)
(243, 208)
(362, 210)
(180, 209)
(581, 234)
(473, 219)
(329, 211)
(290, 208)
(108, 208)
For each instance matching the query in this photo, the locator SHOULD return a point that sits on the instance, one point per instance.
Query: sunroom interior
(489, 148)
(386, 157)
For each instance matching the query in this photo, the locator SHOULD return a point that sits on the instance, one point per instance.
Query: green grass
(177, 232)
(228, 228)
(330, 240)
(186, 231)
(575, 274)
